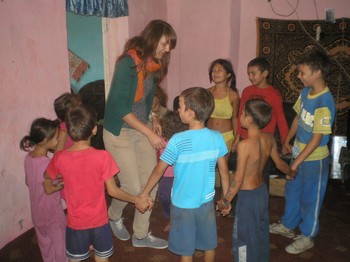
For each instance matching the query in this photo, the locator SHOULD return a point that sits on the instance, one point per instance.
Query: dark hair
(63, 103)
(316, 60)
(200, 101)
(146, 43)
(226, 64)
(80, 122)
(40, 129)
(176, 103)
(259, 110)
(261, 63)
(171, 124)
(161, 95)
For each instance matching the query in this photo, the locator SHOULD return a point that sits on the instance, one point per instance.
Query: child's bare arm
(242, 157)
(49, 186)
(62, 139)
(309, 148)
(287, 148)
(154, 178)
(280, 164)
(224, 174)
(142, 204)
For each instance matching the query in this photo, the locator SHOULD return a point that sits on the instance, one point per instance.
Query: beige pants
(136, 159)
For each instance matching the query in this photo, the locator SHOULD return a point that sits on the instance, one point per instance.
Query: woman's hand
(157, 128)
(155, 140)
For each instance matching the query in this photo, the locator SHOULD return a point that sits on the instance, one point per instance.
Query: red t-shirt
(274, 98)
(84, 174)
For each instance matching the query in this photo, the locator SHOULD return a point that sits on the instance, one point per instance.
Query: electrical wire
(293, 8)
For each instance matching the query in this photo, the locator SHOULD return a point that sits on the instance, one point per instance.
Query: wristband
(152, 114)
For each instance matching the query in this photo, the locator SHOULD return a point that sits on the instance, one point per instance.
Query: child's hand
(59, 185)
(286, 149)
(223, 206)
(150, 203)
(291, 174)
(143, 203)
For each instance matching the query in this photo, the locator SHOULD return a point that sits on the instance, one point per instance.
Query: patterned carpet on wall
(283, 41)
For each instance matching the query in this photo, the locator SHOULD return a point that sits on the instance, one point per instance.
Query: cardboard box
(277, 186)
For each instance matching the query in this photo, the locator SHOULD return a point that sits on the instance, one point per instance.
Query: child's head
(176, 103)
(63, 103)
(316, 61)
(41, 130)
(259, 111)
(171, 124)
(221, 69)
(258, 71)
(81, 121)
(160, 99)
(199, 100)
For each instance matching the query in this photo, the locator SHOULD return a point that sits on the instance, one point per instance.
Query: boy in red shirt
(258, 71)
(85, 172)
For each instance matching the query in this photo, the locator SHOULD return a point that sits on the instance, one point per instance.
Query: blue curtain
(105, 8)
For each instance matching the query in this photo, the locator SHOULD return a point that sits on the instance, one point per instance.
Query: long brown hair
(146, 43)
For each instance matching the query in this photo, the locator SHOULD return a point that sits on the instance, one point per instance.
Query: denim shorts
(78, 242)
(192, 229)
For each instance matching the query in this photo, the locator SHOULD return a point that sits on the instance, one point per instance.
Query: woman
(142, 66)
(224, 116)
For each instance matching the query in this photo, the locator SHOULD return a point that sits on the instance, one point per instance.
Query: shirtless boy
(251, 225)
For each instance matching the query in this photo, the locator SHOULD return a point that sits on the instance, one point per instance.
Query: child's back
(259, 150)
(194, 153)
(84, 173)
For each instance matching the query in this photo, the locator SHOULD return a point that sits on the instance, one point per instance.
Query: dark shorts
(78, 242)
(251, 239)
(192, 229)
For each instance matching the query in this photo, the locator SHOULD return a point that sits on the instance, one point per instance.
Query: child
(226, 99)
(85, 171)
(61, 106)
(171, 124)
(258, 72)
(47, 213)
(158, 109)
(251, 225)
(194, 154)
(312, 126)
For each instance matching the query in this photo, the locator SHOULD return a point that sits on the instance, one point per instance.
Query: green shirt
(121, 95)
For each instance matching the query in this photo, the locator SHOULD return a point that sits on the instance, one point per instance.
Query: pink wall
(34, 70)
(34, 66)
(211, 29)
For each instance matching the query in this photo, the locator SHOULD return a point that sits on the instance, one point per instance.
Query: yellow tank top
(222, 109)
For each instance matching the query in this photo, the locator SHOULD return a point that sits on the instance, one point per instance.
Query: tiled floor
(332, 243)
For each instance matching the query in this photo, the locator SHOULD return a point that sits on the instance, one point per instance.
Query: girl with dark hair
(226, 98)
(47, 213)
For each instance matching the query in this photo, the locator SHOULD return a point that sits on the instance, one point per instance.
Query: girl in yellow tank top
(224, 116)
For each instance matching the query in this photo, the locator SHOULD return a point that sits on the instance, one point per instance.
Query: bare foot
(167, 227)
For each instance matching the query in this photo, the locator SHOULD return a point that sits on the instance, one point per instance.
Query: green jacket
(121, 95)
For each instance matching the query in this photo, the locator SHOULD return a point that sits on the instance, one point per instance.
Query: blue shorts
(78, 242)
(192, 229)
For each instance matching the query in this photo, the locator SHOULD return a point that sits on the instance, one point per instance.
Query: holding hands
(144, 203)
(223, 206)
